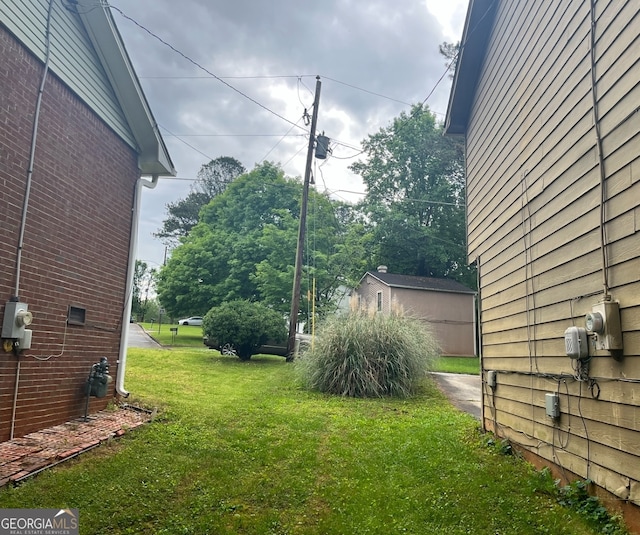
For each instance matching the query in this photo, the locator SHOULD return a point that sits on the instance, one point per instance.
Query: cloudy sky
(375, 58)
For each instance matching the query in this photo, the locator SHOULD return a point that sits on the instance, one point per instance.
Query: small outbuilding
(446, 305)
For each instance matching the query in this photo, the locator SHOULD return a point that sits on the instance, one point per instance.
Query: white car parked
(193, 320)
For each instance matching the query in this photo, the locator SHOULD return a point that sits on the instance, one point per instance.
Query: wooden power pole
(295, 298)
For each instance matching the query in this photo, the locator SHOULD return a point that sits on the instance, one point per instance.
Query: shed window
(379, 301)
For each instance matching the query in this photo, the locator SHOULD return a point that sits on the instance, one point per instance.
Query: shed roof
(475, 38)
(413, 282)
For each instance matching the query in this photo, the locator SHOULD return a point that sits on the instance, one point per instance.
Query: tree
(243, 327)
(450, 51)
(415, 199)
(244, 248)
(213, 179)
(144, 280)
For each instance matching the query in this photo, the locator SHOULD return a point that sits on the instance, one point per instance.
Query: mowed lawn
(239, 448)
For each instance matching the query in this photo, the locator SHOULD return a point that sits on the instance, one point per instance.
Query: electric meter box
(604, 322)
(575, 343)
(552, 405)
(16, 318)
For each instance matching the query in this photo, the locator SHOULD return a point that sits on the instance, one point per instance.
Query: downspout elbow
(152, 183)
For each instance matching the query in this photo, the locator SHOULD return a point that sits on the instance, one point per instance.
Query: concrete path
(138, 337)
(464, 391)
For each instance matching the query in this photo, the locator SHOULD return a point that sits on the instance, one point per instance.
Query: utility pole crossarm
(295, 299)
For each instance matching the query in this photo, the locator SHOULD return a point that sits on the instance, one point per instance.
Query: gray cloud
(390, 48)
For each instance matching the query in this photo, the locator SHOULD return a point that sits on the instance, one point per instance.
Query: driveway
(462, 390)
(138, 337)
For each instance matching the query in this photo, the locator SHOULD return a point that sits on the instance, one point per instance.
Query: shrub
(244, 325)
(369, 355)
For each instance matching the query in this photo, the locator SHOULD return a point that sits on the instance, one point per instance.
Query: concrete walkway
(464, 391)
(138, 337)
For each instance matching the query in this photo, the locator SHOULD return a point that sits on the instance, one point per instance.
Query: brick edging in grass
(27, 456)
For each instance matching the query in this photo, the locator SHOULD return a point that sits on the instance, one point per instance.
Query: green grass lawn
(470, 365)
(239, 448)
(187, 335)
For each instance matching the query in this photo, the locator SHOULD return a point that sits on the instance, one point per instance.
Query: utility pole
(295, 299)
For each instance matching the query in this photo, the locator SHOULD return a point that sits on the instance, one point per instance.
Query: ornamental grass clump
(369, 355)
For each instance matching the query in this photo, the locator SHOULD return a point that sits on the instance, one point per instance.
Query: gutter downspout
(126, 309)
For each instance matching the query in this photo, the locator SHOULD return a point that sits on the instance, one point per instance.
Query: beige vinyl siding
(73, 58)
(533, 219)
(368, 290)
(449, 314)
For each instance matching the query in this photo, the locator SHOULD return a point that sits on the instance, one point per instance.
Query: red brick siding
(75, 245)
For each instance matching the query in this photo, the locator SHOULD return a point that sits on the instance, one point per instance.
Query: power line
(201, 67)
(248, 77)
(237, 135)
(280, 141)
(299, 77)
(367, 91)
(277, 76)
(186, 143)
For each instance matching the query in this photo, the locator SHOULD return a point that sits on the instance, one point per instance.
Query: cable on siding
(596, 121)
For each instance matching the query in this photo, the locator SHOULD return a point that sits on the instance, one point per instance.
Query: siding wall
(533, 221)
(368, 294)
(73, 57)
(76, 240)
(448, 314)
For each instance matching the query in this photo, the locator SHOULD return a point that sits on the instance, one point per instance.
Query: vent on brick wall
(76, 315)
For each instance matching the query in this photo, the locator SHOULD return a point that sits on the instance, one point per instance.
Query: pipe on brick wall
(126, 309)
(32, 151)
(25, 202)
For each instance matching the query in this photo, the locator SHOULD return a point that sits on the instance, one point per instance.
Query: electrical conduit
(25, 202)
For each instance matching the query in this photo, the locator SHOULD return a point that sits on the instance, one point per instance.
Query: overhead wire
(186, 143)
(236, 135)
(299, 77)
(199, 66)
(221, 79)
(367, 91)
(454, 60)
(281, 139)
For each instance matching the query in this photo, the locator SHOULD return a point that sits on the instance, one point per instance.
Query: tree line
(234, 236)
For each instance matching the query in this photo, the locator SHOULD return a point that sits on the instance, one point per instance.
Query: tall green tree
(144, 281)
(213, 178)
(415, 200)
(244, 248)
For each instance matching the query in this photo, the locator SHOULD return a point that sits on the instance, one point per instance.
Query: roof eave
(475, 39)
(154, 158)
(410, 287)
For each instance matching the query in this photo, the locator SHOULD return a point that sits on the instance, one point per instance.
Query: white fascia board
(154, 158)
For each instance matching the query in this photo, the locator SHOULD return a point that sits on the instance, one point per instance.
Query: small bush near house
(244, 325)
(369, 355)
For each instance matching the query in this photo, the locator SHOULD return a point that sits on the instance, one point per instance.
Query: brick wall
(75, 245)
